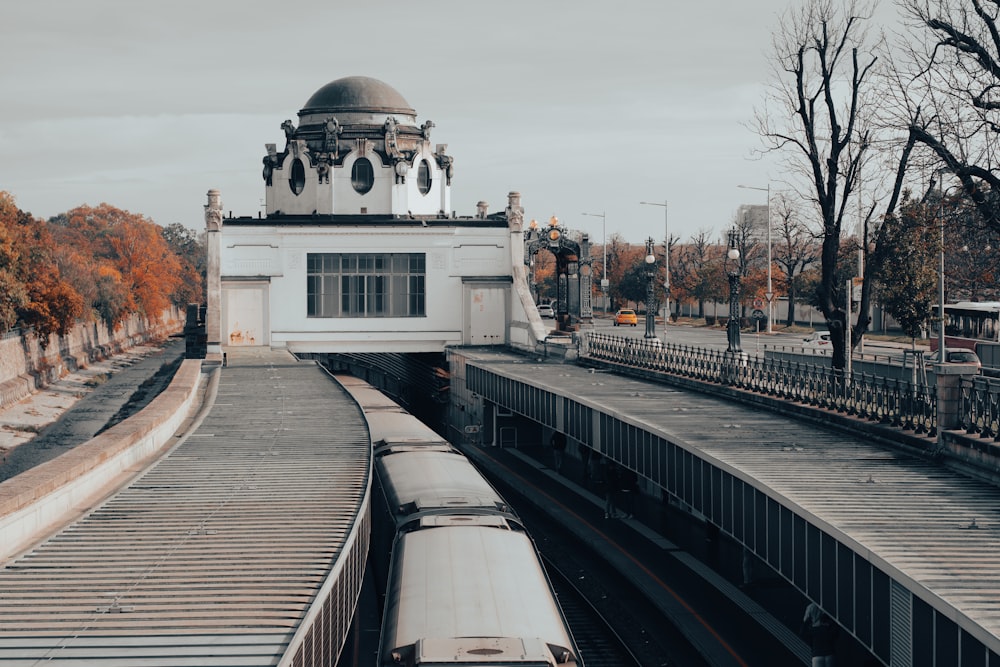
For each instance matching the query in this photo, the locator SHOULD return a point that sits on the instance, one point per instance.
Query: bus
(973, 325)
(969, 323)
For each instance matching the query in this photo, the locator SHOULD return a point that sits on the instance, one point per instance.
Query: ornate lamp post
(734, 293)
(650, 277)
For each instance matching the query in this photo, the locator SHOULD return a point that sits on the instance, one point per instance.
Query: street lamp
(733, 329)
(940, 174)
(650, 276)
(666, 258)
(605, 283)
(770, 293)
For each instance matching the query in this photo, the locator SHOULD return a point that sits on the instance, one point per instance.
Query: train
(461, 582)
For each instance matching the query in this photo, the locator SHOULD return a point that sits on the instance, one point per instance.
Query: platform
(904, 553)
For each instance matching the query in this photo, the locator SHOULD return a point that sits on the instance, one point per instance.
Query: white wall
(271, 260)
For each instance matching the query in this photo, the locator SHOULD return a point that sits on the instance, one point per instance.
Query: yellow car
(626, 316)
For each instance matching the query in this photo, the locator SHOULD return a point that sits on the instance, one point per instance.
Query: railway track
(619, 613)
(599, 644)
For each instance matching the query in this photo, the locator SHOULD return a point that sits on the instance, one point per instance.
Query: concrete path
(73, 410)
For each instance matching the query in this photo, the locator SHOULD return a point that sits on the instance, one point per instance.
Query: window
(298, 177)
(424, 177)
(362, 175)
(365, 285)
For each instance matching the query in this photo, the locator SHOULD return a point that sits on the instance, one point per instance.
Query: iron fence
(980, 409)
(891, 401)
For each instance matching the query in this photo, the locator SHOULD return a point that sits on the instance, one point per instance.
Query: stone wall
(25, 367)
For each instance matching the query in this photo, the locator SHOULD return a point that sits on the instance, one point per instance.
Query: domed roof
(357, 93)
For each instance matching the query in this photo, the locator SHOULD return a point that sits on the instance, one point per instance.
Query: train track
(619, 613)
(599, 644)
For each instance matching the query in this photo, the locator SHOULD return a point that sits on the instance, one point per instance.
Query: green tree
(191, 254)
(632, 286)
(906, 275)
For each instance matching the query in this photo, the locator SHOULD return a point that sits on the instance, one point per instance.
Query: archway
(573, 270)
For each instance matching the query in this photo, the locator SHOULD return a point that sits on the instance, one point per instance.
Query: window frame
(362, 182)
(366, 285)
(425, 177)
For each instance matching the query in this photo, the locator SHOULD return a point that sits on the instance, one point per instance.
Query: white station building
(358, 249)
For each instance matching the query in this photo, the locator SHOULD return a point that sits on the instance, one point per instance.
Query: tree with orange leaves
(35, 295)
(132, 270)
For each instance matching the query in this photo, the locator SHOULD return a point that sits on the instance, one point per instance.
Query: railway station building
(358, 248)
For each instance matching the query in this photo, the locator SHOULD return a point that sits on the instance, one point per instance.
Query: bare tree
(752, 259)
(617, 253)
(954, 68)
(691, 271)
(816, 114)
(795, 247)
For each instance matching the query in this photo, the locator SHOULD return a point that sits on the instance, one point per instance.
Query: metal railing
(980, 409)
(891, 401)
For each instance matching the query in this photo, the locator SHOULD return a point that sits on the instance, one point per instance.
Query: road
(752, 343)
(707, 337)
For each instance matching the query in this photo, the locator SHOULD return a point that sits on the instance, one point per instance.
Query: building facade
(357, 249)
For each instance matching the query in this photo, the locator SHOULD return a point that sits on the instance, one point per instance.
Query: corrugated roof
(213, 556)
(916, 520)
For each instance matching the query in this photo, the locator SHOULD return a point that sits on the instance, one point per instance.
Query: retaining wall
(26, 367)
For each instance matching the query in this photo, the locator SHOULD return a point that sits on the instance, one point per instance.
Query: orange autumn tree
(132, 269)
(33, 293)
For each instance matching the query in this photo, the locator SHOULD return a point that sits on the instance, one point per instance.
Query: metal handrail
(875, 398)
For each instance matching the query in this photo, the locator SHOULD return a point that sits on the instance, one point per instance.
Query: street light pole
(734, 293)
(770, 292)
(650, 276)
(605, 283)
(941, 355)
(666, 258)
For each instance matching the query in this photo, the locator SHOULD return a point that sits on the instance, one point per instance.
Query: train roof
(400, 427)
(423, 481)
(471, 590)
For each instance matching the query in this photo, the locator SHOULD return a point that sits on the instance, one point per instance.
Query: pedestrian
(629, 485)
(821, 633)
(747, 568)
(611, 485)
(558, 442)
(585, 460)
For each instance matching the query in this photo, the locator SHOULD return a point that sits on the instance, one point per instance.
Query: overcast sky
(581, 106)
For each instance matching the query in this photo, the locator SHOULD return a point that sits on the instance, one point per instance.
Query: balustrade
(886, 400)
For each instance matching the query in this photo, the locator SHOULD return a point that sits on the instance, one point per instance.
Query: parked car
(818, 339)
(956, 356)
(626, 316)
(545, 310)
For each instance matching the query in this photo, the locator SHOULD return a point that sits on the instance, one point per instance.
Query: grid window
(365, 285)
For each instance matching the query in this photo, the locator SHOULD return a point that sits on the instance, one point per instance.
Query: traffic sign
(758, 303)
(769, 296)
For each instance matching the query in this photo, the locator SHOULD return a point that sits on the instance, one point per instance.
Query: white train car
(465, 585)
(465, 593)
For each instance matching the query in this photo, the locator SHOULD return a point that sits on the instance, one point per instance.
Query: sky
(583, 107)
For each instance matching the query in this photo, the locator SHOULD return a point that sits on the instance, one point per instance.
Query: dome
(357, 94)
